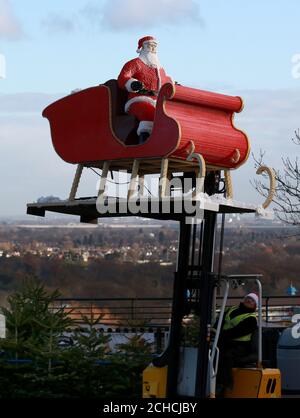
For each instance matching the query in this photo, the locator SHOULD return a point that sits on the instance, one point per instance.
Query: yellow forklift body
(248, 383)
(155, 382)
(255, 383)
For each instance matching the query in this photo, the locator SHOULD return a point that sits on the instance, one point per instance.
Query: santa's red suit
(142, 105)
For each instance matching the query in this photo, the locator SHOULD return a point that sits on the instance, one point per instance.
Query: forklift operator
(238, 326)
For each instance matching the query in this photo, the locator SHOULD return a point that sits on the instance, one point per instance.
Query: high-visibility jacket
(230, 323)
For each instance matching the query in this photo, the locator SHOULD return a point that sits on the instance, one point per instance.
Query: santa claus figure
(143, 77)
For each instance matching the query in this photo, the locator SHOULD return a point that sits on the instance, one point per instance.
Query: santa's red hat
(145, 39)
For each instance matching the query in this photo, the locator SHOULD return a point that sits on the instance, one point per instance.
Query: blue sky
(52, 47)
(232, 43)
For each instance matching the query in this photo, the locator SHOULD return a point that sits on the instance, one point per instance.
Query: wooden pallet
(141, 167)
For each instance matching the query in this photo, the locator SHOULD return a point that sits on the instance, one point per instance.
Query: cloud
(55, 23)
(29, 165)
(10, 28)
(127, 14)
(25, 102)
(269, 118)
(118, 15)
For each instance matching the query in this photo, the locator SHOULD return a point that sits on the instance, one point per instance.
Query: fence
(119, 312)
(126, 314)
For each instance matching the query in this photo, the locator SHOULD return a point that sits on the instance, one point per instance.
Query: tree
(132, 358)
(30, 362)
(90, 240)
(31, 323)
(33, 364)
(161, 237)
(87, 361)
(287, 195)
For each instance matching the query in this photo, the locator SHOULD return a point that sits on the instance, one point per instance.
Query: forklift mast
(193, 287)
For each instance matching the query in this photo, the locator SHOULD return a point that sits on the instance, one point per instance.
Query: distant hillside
(136, 262)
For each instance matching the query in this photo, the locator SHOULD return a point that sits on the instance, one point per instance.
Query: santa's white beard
(150, 58)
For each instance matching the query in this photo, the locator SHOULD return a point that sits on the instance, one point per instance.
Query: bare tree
(287, 195)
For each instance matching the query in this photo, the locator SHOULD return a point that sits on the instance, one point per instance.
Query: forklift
(182, 371)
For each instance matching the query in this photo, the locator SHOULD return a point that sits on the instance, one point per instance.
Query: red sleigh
(90, 126)
(193, 132)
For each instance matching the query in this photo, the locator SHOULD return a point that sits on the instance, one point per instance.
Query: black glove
(148, 92)
(136, 85)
